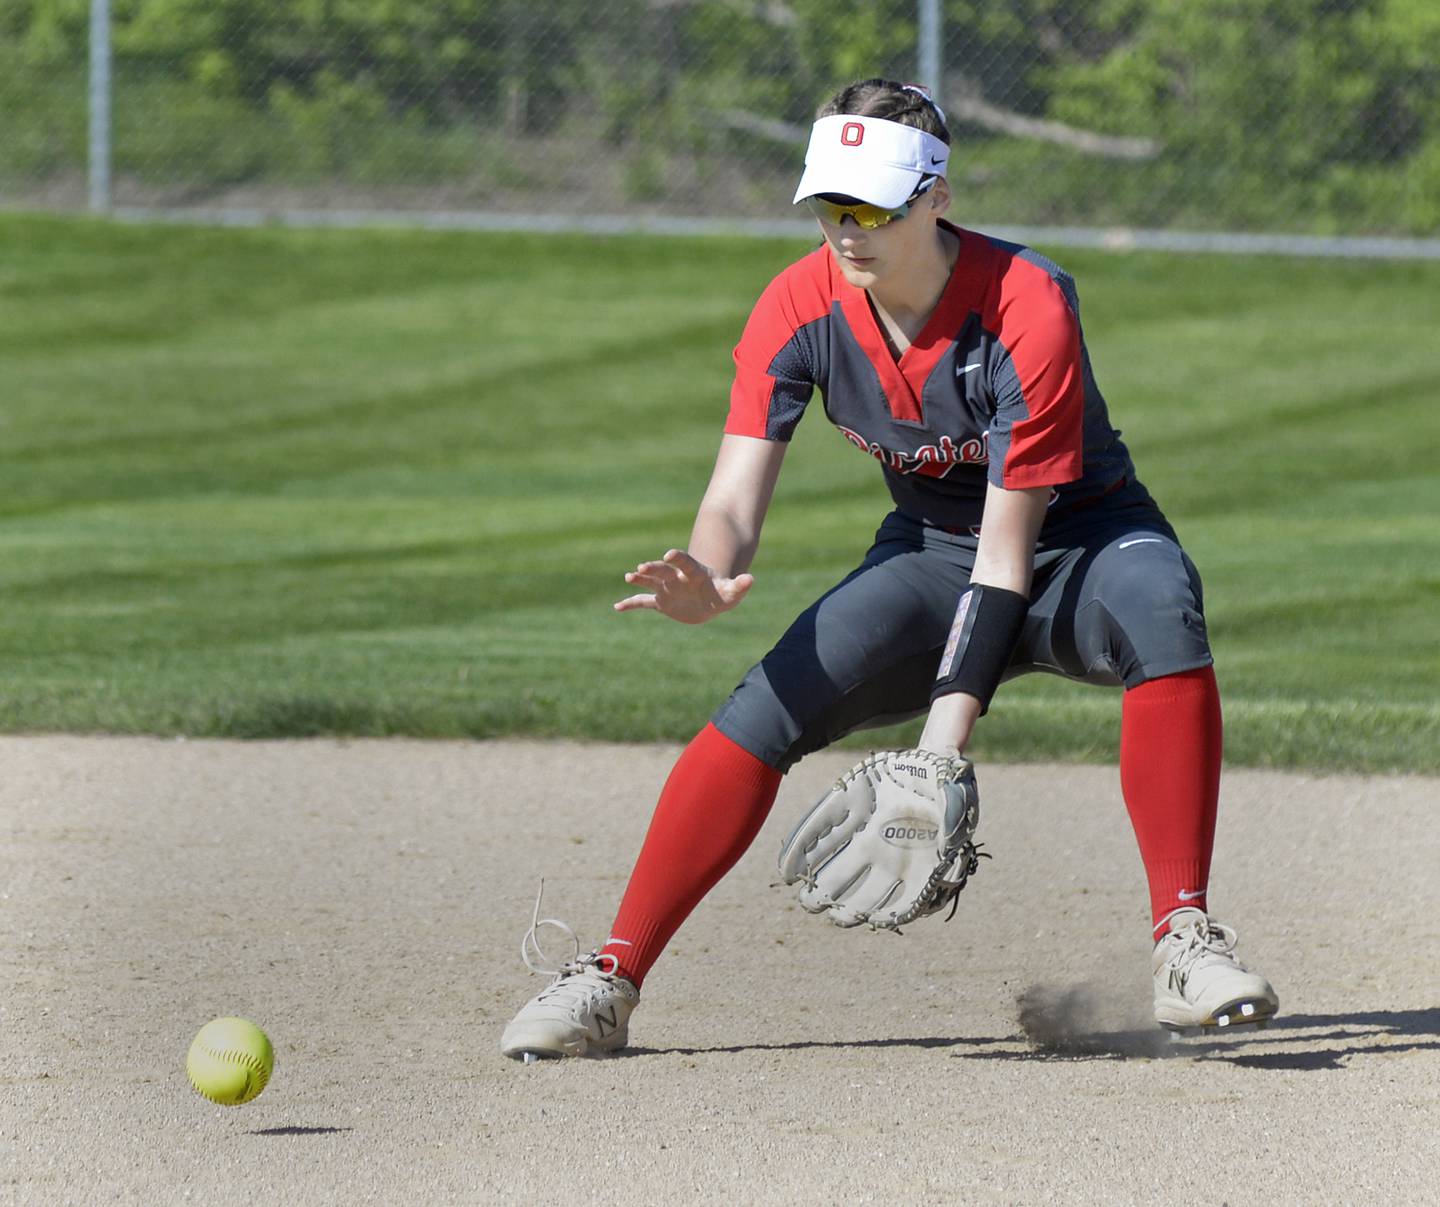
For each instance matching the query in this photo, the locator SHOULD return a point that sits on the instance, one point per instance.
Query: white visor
(870, 159)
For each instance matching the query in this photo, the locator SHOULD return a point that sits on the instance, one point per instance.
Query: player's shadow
(1362, 1033)
(1062, 1036)
(801, 1045)
(295, 1130)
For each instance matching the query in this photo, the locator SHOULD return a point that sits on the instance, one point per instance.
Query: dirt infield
(364, 903)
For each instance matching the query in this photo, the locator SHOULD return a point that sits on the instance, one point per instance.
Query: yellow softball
(230, 1061)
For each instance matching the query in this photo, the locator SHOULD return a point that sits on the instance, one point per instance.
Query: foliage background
(1280, 115)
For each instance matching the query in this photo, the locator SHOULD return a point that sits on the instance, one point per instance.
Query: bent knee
(1149, 619)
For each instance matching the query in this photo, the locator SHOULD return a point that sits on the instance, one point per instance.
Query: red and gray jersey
(997, 386)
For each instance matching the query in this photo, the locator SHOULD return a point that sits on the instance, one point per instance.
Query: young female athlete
(956, 361)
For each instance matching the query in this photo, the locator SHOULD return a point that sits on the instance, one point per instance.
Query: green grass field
(269, 483)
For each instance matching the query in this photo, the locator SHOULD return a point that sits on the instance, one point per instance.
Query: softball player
(1021, 536)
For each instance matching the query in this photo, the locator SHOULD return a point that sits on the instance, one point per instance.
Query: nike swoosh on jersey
(1144, 540)
(960, 372)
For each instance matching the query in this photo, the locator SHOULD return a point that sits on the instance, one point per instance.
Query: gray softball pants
(1115, 601)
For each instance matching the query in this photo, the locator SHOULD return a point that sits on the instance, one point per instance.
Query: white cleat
(1200, 986)
(582, 1012)
(585, 1010)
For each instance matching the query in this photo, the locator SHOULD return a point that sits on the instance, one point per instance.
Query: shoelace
(1201, 939)
(537, 963)
(531, 941)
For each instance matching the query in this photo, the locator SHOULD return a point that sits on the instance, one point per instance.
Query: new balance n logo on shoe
(584, 1009)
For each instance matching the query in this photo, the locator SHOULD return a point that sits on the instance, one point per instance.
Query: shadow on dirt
(1055, 1026)
(1059, 1025)
(928, 1041)
(293, 1130)
(1078, 1023)
(1362, 1033)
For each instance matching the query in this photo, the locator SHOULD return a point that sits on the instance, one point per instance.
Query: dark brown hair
(890, 100)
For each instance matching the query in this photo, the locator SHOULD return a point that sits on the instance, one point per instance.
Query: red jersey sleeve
(777, 356)
(1037, 435)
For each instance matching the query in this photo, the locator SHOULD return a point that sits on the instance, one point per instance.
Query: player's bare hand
(684, 589)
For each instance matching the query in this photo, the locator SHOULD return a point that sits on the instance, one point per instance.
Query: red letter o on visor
(852, 134)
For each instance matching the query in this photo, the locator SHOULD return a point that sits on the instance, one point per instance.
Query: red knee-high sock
(1170, 747)
(710, 810)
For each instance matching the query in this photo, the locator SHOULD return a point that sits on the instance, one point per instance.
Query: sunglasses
(867, 217)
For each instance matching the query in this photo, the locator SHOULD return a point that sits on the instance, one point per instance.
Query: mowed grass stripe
(269, 483)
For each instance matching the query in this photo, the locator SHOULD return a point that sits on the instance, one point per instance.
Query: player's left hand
(684, 589)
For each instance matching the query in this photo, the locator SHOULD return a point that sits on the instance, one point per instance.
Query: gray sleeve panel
(1062, 279)
(795, 371)
(1010, 409)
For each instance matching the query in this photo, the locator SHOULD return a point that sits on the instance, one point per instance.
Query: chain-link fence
(1310, 116)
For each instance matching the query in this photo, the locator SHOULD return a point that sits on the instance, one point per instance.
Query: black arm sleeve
(987, 624)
